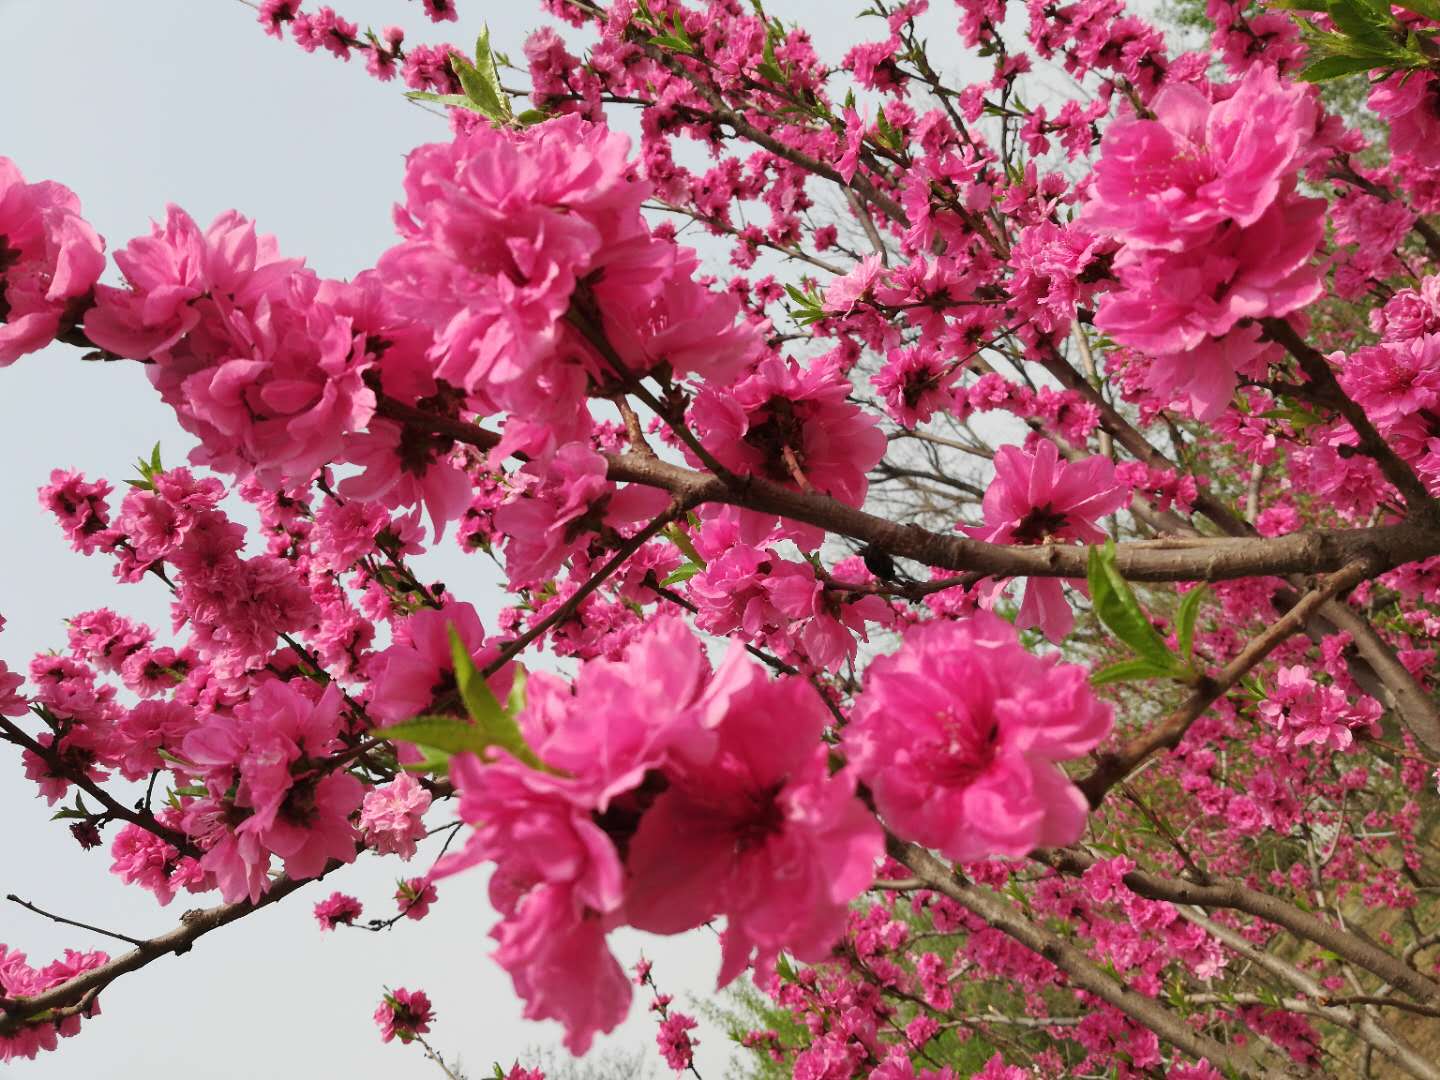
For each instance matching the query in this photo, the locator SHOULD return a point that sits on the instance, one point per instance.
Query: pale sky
(133, 105)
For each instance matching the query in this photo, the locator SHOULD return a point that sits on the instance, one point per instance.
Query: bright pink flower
(825, 621)
(404, 1014)
(156, 519)
(958, 735)
(272, 751)
(19, 980)
(1408, 99)
(1036, 498)
(559, 505)
(416, 675)
(1183, 307)
(673, 1038)
(392, 818)
(80, 507)
(142, 858)
(499, 227)
(1395, 380)
(557, 877)
(414, 897)
(50, 258)
(756, 829)
(794, 426)
(179, 275)
(916, 382)
(1168, 183)
(622, 718)
(337, 909)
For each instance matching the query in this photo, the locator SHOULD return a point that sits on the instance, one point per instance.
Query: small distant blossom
(337, 909)
(404, 1014)
(414, 897)
(675, 1042)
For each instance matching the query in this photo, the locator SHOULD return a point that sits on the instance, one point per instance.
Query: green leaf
(498, 725)
(432, 761)
(1359, 22)
(1114, 601)
(1334, 67)
(515, 702)
(1131, 670)
(448, 734)
(681, 539)
(481, 81)
(457, 101)
(783, 968)
(679, 577)
(1185, 620)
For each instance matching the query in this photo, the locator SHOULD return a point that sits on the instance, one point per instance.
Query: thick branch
(1175, 559)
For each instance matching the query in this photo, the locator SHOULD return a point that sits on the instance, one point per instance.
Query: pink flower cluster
(959, 735)
(404, 1014)
(1035, 498)
(50, 259)
(670, 797)
(1213, 234)
(19, 980)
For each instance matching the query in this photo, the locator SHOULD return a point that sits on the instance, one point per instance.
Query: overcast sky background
(133, 105)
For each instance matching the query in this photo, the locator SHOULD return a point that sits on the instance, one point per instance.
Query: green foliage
(1119, 609)
(490, 723)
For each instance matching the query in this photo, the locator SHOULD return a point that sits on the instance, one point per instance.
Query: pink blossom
(756, 829)
(794, 426)
(392, 818)
(675, 1042)
(404, 1014)
(1407, 99)
(557, 876)
(916, 383)
(416, 675)
(958, 736)
(19, 980)
(176, 275)
(337, 909)
(140, 857)
(1167, 183)
(50, 259)
(414, 897)
(1036, 498)
(559, 504)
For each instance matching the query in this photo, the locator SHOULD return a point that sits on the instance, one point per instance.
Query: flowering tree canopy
(1002, 603)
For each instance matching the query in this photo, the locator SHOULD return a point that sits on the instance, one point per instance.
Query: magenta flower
(557, 878)
(757, 829)
(404, 1014)
(392, 818)
(50, 258)
(958, 735)
(1167, 183)
(1036, 498)
(794, 426)
(416, 674)
(337, 909)
(675, 1042)
(19, 980)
